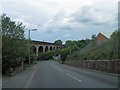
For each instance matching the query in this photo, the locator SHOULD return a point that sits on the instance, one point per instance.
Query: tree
(94, 40)
(14, 48)
(116, 44)
(12, 29)
(79, 44)
(93, 37)
(115, 34)
(63, 53)
(70, 43)
(58, 42)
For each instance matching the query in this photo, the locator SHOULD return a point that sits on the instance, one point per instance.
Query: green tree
(14, 48)
(93, 37)
(79, 43)
(58, 42)
(115, 36)
(63, 53)
(94, 40)
(70, 43)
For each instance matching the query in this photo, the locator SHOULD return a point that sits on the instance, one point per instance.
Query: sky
(63, 19)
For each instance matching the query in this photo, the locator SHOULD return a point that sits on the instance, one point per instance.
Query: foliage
(64, 52)
(115, 34)
(69, 43)
(102, 51)
(93, 37)
(58, 42)
(79, 43)
(70, 48)
(14, 48)
(48, 55)
(12, 29)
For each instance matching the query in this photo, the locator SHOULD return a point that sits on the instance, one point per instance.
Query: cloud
(93, 14)
(63, 18)
(61, 22)
(61, 25)
(26, 24)
(88, 14)
(67, 35)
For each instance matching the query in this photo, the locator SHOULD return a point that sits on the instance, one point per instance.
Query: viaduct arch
(39, 47)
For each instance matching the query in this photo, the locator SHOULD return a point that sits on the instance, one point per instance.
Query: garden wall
(112, 66)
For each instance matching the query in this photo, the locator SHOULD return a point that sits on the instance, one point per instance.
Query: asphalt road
(51, 74)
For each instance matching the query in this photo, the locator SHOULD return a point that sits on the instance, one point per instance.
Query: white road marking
(30, 79)
(74, 77)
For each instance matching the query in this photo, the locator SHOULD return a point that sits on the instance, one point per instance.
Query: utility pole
(29, 48)
(29, 44)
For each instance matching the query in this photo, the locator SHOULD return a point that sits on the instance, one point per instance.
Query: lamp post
(29, 44)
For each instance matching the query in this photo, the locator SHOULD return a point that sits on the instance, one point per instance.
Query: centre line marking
(74, 77)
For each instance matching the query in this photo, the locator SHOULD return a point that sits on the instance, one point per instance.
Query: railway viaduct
(39, 46)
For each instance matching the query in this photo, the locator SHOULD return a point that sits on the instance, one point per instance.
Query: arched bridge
(39, 46)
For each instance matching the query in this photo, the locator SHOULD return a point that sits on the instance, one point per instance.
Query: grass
(102, 51)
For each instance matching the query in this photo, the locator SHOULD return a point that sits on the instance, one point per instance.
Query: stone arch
(46, 48)
(40, 49)
(51, 48)
(57, 47)
(33, 48)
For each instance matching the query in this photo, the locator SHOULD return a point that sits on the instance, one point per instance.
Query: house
(101, 38)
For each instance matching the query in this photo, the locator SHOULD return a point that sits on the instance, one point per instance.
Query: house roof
(101, 37)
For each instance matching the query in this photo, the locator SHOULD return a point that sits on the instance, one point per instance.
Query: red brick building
(101, 37)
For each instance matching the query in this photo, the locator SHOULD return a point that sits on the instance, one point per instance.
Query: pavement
(51, 74)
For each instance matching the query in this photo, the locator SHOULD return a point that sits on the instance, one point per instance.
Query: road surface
(51, 74)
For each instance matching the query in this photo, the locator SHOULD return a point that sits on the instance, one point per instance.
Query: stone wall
(13, 72)
(112, 66)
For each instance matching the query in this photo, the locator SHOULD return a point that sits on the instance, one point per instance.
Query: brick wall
(101, 37)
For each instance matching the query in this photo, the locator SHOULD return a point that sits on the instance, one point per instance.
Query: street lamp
(29, 44)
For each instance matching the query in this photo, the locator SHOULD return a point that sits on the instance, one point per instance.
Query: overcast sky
(63, 19)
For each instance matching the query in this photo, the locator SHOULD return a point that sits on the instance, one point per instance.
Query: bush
(48, 55)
